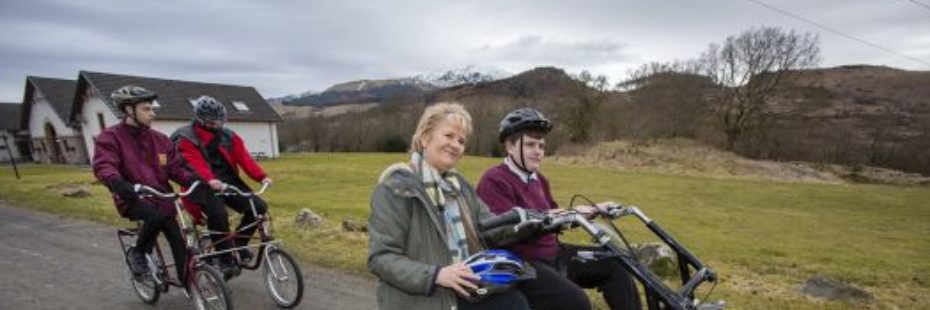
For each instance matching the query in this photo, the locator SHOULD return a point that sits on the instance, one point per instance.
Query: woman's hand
(459, 278)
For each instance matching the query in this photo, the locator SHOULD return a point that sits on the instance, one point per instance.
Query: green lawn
(764, 238)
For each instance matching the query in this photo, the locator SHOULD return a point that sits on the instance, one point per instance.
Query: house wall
(259, 137)
(69, 142)
(11, 143)
(90, 124)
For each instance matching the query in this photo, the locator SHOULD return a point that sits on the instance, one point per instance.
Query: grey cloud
(290, 46)
(535, 50)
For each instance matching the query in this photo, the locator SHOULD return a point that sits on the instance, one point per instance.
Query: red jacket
(236, 155)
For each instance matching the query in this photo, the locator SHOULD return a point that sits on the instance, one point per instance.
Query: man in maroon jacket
(518, 183)
(132, 153)
(216, 154)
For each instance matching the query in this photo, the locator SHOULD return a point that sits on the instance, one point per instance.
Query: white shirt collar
(525, 177)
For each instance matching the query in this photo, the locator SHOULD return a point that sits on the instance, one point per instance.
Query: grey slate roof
(9, 116)
(174, 96)
(58, 92)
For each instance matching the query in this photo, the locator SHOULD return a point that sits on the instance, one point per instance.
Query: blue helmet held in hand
(499, 271)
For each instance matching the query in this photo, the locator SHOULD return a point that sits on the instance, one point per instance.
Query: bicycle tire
(209, 290)
(145, 287)
(278, 272)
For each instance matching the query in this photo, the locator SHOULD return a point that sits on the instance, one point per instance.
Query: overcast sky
(286, 47)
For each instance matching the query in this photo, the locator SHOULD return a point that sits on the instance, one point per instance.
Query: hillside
(540, 82)
(408, 89)
(693, 158)
(856, 115)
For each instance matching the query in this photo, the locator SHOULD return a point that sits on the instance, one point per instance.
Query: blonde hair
(435, 114)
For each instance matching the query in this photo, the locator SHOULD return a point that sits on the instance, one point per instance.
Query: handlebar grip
(513, 216)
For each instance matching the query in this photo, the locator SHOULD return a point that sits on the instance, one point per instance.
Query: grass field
(764, 238)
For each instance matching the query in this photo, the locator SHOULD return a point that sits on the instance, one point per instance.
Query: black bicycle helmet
(131, 95)
(207, 109)
(520, 119)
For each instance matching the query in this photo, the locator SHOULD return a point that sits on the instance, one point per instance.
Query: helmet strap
(135, 117)
(522, 163)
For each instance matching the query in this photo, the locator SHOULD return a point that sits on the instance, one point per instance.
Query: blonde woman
(422, 223)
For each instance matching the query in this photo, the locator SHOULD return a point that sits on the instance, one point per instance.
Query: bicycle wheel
(209, 290)
(145, 285)
(283, 279)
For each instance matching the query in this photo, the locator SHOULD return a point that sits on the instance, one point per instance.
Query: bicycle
(614, 246)
(282, 276)
(207, 288)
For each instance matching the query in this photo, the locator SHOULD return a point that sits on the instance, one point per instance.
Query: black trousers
(559, 283)
(511, 300)
(154, 222)
(214, 207)
(616, 285)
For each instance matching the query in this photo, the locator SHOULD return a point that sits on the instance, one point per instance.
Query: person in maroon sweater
(518, 183)
(131, 153)
(216, 154)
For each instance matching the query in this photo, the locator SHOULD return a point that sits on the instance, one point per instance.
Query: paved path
(50, 262)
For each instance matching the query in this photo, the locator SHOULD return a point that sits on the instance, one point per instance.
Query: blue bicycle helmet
(499, 270)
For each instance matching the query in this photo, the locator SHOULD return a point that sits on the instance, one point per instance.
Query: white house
(11, 142)
(45, 112)
(248, 113)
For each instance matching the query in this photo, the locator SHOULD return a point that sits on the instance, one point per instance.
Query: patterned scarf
(438, 186)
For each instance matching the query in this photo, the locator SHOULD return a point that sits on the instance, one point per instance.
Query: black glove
(124, 190)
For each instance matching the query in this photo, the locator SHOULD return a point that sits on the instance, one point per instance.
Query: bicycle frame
(658, 295)
(262, 221)
(187, 233)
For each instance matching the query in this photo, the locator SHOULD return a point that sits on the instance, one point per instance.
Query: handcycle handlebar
(145, 190)
(516, 215)
(556, 221)
(229, 190)
(522, 218)
(559, 221)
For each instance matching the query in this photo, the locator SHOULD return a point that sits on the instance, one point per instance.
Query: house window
(100, 121)
(239, 105)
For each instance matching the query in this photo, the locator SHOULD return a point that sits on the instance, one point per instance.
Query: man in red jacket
(216, 154)
(132, 153)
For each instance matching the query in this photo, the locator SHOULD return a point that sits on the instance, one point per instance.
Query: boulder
(659, 257)
(70, 190)
(354, 225)
(306, 219)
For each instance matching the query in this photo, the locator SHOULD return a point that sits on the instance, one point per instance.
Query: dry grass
(692, 158)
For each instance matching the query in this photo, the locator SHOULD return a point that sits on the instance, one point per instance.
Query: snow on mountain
(379, 90)
(468, 75)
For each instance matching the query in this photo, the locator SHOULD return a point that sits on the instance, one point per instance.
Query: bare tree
(748, 67)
